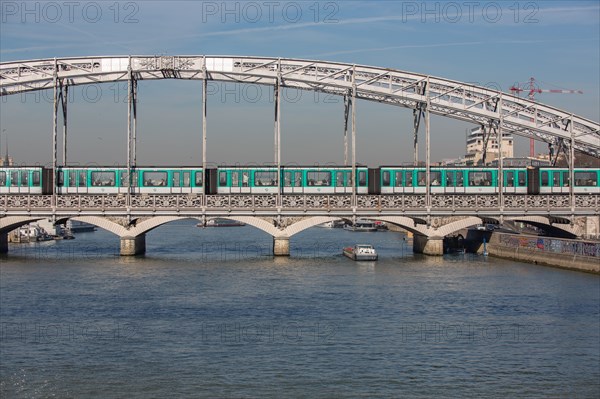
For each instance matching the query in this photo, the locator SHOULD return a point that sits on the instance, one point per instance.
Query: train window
(477, 179)
(245, 179)
(385, 178)
(24, 178)
(555, 179)
(586, 179)
(298, 179)
(106, 179)
(435, 178)
(60, 180)
(14, 178)
(235, 179)
(510, 179)
(339, 179)
(154, 179)
(409, 179)
(459, 179)
(319, 178)
(71, 179)
(565, 179)
(176, 179)
(222, 179)
(2, 178)
(545, 179)
(521, 178)
(198, 179)
(265, 178)
(348, 179)
(398, 179)
(35, 179)
(362, 178)
(186, 179)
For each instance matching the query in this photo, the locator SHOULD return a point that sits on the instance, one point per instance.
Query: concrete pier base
(131, 246)
(3, 243)
(433, 246)
(281, 246)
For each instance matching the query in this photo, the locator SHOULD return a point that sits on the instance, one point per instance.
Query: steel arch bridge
(448, 98)
(499, 112)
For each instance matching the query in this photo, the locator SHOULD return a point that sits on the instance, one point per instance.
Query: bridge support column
(281, 246)
(433, 246)
(3, 243)
(131, 246)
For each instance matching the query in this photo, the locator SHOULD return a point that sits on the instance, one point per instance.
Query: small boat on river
(221, 222)
(361, 225)
(361, 252)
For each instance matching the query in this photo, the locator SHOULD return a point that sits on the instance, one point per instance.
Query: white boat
(361, 225)
(361, 252)
(221, 222)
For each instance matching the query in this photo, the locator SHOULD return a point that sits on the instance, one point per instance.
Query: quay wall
(568, 254)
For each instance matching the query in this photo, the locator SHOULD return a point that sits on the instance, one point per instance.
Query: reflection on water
(210, 313)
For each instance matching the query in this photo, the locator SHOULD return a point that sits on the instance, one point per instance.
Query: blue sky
(489, 43)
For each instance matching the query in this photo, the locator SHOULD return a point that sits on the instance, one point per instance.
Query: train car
(412, 180)
(25, 180)
(115, 180)
(174, 180)
(556, 180)
(324, 180)
(296, 180)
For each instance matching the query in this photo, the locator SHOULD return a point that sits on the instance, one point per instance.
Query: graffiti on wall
(552, 245)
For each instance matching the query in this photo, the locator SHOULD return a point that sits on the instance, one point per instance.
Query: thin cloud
(432, 45)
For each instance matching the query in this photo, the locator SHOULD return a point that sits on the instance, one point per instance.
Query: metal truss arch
(448, 98)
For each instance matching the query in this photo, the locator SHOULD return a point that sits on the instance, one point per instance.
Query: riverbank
(556, 252)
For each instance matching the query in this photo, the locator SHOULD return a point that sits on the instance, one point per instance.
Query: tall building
(6, 161)
(476, 142)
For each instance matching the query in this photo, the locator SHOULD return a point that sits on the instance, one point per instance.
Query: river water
(209, 313)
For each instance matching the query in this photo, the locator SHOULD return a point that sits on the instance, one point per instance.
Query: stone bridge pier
(3, 243)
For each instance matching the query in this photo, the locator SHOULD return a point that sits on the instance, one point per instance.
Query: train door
(545, 182)
(510, 181)
(386, 181)
(292, 182)
(409, 181)
(177, 181)
(124, 178)
(339, 182)
(449, 182)
(18, 181)
(565, 180)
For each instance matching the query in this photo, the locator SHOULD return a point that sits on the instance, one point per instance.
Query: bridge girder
(448, 98)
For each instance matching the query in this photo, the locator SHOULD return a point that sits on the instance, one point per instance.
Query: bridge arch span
(453, 227)
(103, 223)
(9, 223)
(545, 223)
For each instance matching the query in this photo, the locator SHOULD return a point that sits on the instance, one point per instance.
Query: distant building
(6, 161)
(475, 146)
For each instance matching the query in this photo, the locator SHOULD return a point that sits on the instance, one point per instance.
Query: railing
(450, 204)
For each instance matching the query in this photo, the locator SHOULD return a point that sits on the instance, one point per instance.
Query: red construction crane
(532, 88)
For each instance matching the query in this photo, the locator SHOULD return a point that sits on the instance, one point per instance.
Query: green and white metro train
(295, 180)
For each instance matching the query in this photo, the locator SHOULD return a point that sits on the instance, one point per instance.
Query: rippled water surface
(209, 313)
